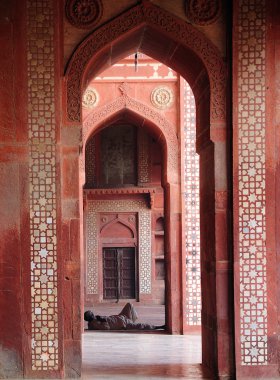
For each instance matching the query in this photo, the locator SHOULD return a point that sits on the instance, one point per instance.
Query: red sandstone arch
(170, 40)
(126, 107)
(141, 28)
(121, 222)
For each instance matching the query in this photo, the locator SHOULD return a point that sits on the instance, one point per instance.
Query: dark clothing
(123, 321)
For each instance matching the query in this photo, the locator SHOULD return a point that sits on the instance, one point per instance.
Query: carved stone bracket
(123, 191)
(124, 88)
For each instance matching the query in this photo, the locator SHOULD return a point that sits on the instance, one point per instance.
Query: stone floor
(126, 356)
(141, 356)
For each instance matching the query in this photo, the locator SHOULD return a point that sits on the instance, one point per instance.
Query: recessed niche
(160, 225)
(160, 270)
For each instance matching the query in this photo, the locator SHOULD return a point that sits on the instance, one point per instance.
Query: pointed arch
(121, 222)
(142, 28)
(168, 39)
(149, 116)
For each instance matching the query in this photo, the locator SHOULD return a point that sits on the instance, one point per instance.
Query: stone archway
(129, 110)
(131, 24)
(131, 106)
(189, 53)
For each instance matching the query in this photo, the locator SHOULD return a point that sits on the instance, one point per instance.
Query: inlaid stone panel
(192, 219)
(251, 179)
(42, 188)
(144, 233)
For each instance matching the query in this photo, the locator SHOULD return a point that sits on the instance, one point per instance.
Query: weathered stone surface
(188, 50)
(10, 363)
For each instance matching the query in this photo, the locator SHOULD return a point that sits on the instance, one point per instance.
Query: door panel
(119, 273)
(110, 278)
(127, 273)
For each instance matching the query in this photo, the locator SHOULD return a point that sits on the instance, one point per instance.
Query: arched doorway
(189, 53)
(141, 191)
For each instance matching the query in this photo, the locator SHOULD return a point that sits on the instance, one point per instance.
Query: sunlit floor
(118, 355)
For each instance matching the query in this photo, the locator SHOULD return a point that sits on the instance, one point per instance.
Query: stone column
(255, 168)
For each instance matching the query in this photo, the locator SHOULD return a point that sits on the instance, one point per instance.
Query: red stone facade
(231, 61)
(130, 183)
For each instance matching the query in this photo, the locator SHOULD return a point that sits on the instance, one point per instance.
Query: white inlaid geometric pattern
(145, 254)
(144, 174)
(251, 178)
(192, 219)
(42, 190)
(144, 233)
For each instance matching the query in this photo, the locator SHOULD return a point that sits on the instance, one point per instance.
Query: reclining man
(125, 320)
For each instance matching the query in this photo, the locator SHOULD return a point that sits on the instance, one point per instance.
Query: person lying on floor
(125, 320)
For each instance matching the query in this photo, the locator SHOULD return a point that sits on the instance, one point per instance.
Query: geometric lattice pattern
(144, 233)
(145, 253)
(42, 176)
(251, 178)
(192, 219)
(90, 158)
(143, 157)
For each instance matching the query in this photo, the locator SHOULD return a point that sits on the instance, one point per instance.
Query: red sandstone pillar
(173, 253)
(70, 249)
(256, 95)
(14, 193)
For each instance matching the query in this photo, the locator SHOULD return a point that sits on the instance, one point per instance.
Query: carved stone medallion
(176, 29)
(162, 97)
(83, 13)
(90, 98)
(203, 12)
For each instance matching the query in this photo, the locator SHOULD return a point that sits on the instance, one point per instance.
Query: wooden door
(127, 273)
(110, 273)
(119, 273)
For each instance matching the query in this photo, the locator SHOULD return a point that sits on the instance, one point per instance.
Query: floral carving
(90, 98)
(203, 12)
(83, 13)
(124, 88)
(175, 28)
(162, 97)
